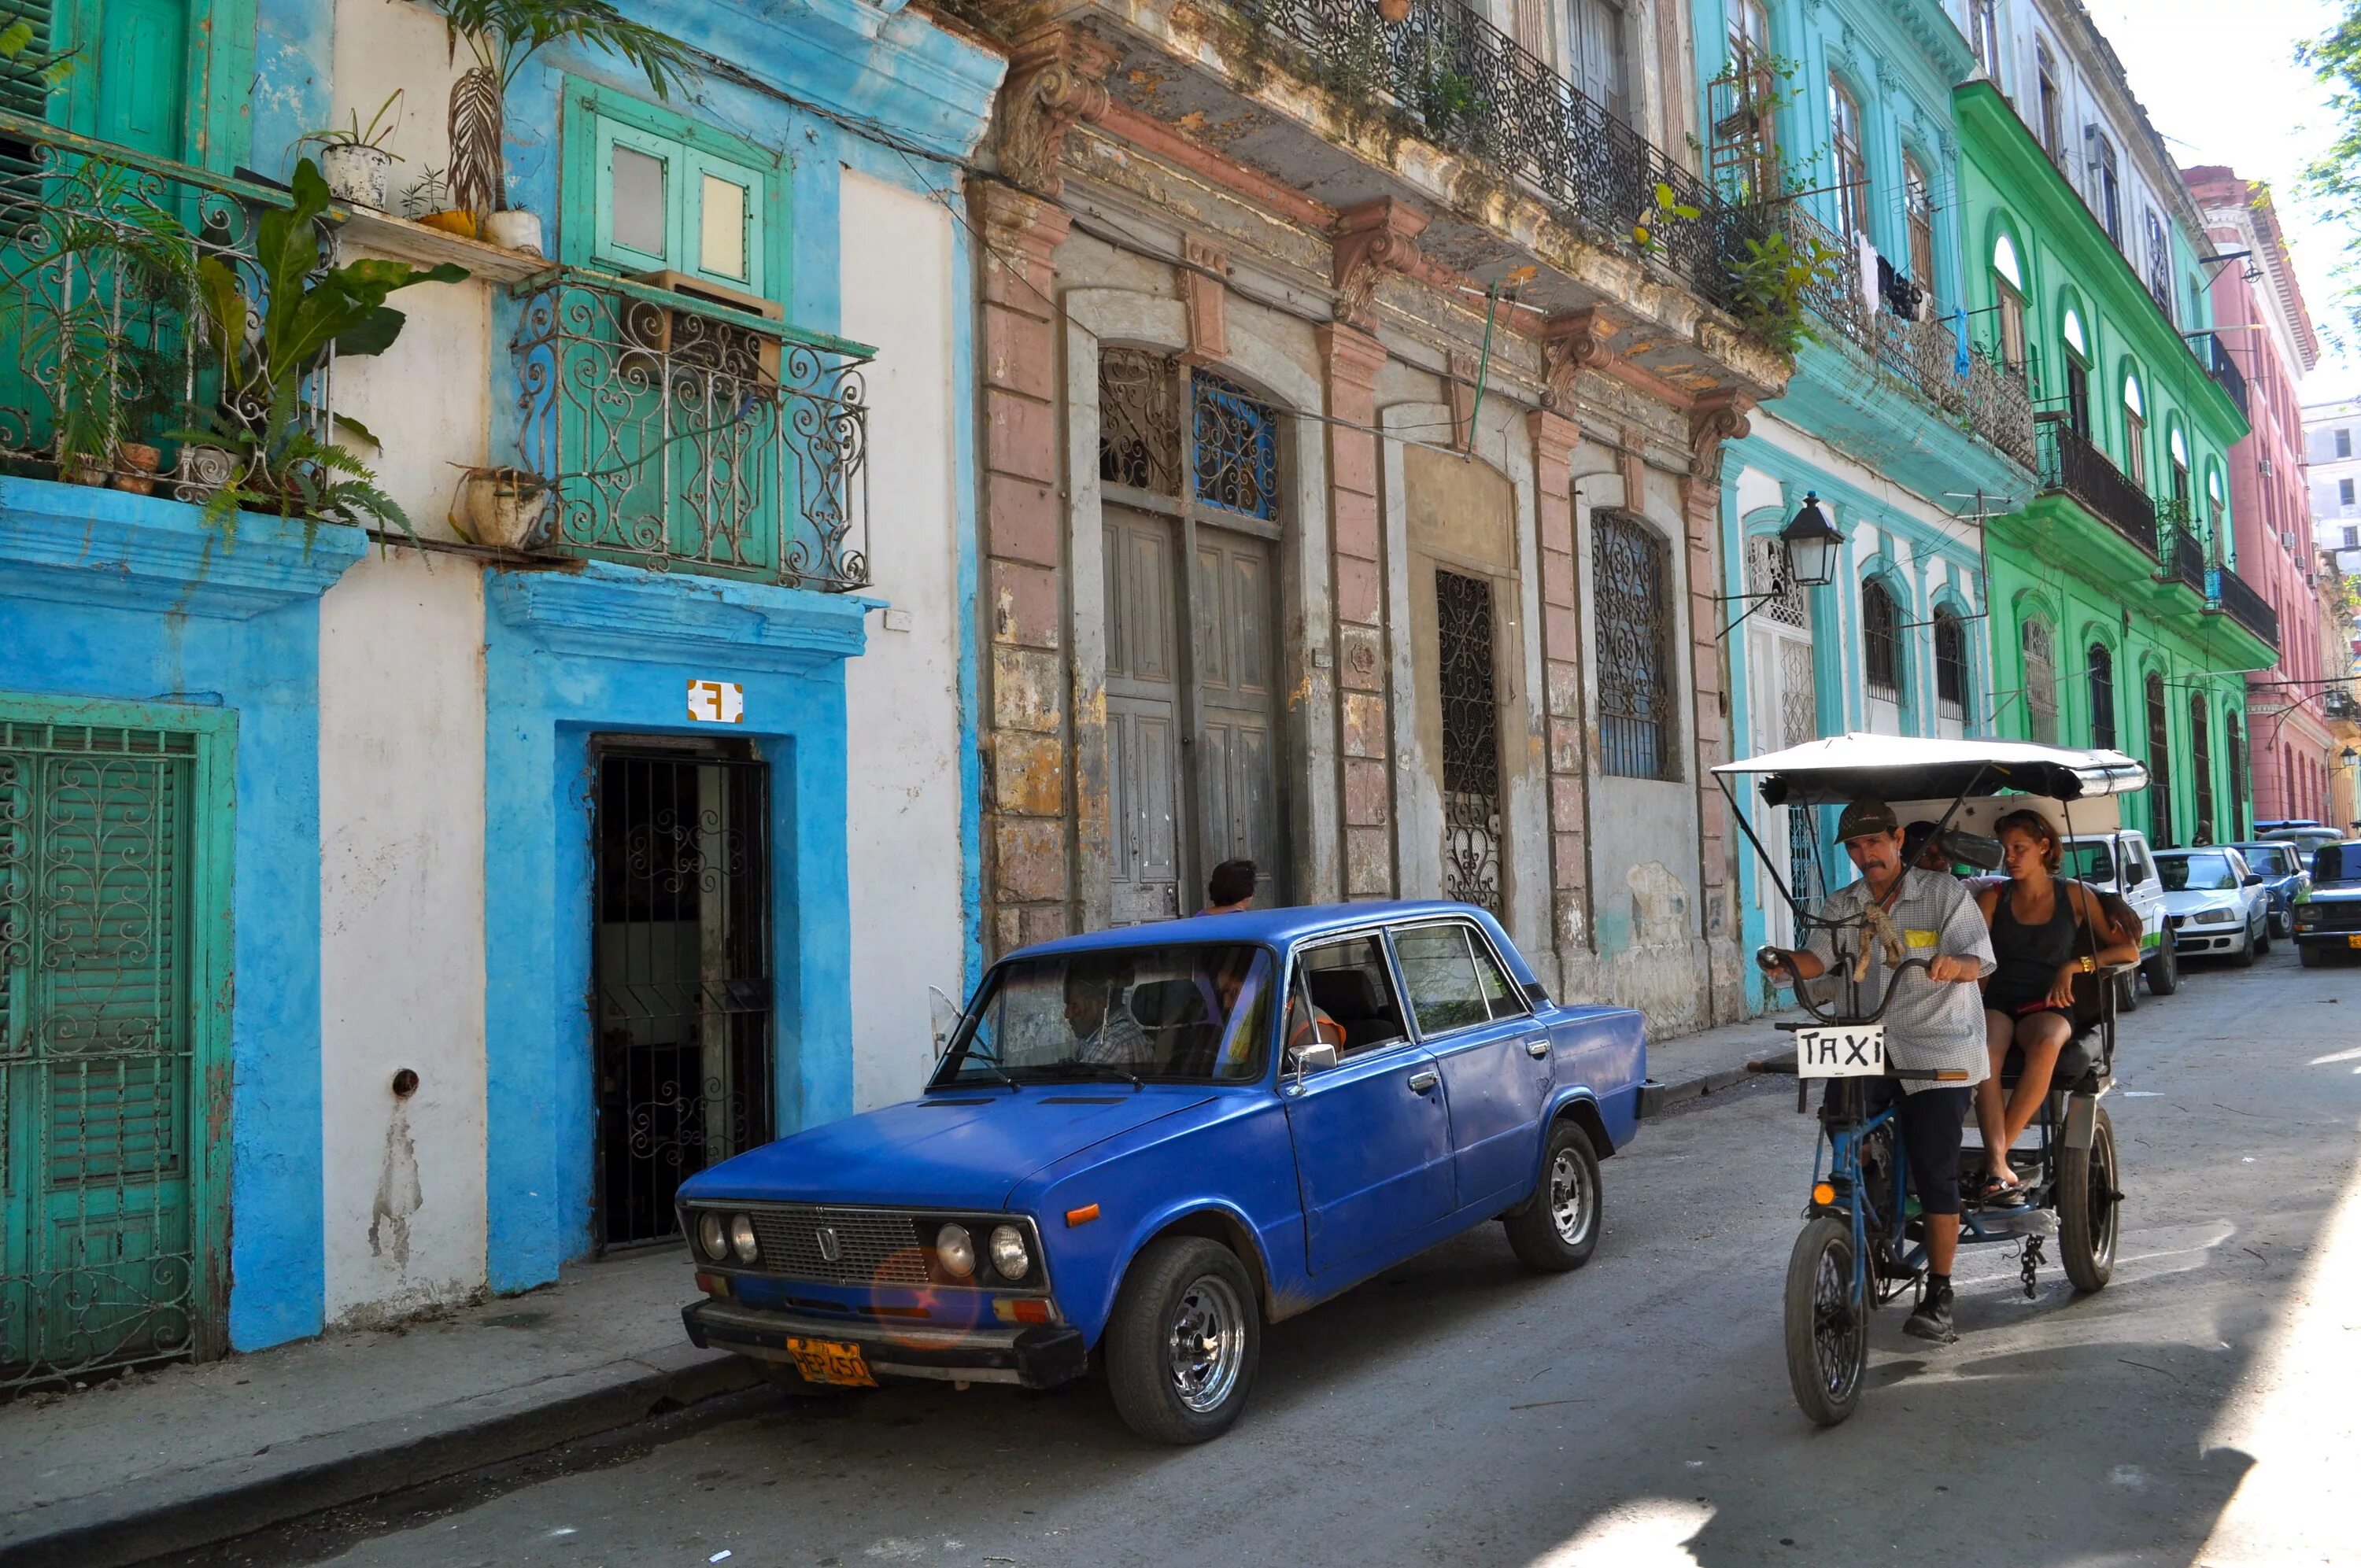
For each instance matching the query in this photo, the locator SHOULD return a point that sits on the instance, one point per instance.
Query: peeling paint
(398, 1193)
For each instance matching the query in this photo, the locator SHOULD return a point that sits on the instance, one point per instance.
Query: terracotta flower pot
(133, 458)
(1394, 10)
(454, 220)
(499, 506)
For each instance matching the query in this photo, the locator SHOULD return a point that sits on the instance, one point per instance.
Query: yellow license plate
(2353, 941)
(831, 1361)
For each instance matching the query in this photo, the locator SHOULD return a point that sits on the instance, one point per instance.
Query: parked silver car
(2217, 903)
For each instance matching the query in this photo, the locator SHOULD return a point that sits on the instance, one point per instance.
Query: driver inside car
(1934, 1018)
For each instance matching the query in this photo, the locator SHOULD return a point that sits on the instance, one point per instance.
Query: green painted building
(2117, 618)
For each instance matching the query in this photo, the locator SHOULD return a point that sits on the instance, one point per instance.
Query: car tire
(2127, 993)
(2283, 923)
(2087, 1208)
(2163, 971)
(2309, 955)
(1556, 1230)
(2244, 957)
(2263, 935)
(1167, 1388)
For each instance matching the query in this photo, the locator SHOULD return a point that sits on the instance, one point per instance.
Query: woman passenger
(2036, 920)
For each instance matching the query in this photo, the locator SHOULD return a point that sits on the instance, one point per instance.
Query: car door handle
(1420, 1082)
(1537, 1049)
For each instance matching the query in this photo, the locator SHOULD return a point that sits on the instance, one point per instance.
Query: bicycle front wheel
(1827, 1322)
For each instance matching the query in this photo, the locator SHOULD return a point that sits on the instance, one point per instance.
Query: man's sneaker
(1931, 1318)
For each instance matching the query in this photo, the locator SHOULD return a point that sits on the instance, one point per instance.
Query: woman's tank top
(2028, 958)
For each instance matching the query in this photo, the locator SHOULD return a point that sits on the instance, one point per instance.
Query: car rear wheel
(1557, 1229)
(2309, 955)
(2163, 971)
(1181, 1347)
(2244, 957)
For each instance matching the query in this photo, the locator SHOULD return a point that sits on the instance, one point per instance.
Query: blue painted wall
(130, 597)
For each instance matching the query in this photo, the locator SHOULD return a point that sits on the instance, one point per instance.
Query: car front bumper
(1038, 1356)
(2189, 938)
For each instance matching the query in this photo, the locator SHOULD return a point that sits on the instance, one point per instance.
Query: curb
(361, 1468)
(1655, 1097)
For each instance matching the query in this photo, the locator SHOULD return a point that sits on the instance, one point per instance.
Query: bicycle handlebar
(1762, 957)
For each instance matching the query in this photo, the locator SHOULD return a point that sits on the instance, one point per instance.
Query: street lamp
(1809, 542)
(2348, 756)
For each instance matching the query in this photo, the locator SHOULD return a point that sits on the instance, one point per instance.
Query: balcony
(2183, 549)
(678, 434)
(2214, 356)
(1924, 354)
(2070, 465)
(103, 334)
(2245, 606)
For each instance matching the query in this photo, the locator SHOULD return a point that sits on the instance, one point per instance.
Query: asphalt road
(2201, 1409)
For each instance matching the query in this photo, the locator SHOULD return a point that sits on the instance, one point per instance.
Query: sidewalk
(164, 1461)
(1711, 1060)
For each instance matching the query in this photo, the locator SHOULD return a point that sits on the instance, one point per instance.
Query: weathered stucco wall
(903, 761)
(401, 935)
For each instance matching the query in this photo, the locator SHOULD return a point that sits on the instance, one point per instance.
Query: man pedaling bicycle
(1934, 1020)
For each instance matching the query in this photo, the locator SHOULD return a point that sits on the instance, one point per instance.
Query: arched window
(2175, 446)
(2077, 360)
(1951, 666)
(2201, 764)
(2159, 765)
(1881, 642)
(2008, 295)
(2040, 680)
(2135, 431)
(1629, 571)
(2102, 695)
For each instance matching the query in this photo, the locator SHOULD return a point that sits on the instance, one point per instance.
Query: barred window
(2101, 678)
(1637, 734)
(2159, 766)
(1234, 452)
(2200, 766)
(2041, 681)
(1881, 642)
(1950, 664)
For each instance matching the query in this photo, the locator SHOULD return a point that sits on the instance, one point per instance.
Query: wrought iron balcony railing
(2186, 560)
(1470, 87)
(2215, 354)
(1924, 352)
(681, 434)
(2245, 606)
(2070, 465)
(102, 345)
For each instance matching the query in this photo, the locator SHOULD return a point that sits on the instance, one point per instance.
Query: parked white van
(2121, 863)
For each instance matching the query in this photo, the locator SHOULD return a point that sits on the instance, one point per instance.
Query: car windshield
(2089, 863)
(1164, 1015)
(2195, 873)
(2337, 862)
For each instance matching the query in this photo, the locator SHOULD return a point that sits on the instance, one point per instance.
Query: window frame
(1918, 221)
(1849, 155)
(1665, 715)
(1400, 993)
(1881, 642)
(1478, 943)
(1951, 666)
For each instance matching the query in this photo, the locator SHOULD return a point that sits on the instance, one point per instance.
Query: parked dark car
(2328, 917)
(2283, 870)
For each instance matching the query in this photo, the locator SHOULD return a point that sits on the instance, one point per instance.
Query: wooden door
(1236, 650)
(1143, 722)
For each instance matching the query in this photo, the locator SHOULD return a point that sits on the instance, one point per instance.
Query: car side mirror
(2254, 879)
(1318, 1057)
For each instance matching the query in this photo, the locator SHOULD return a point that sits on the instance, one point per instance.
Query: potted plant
(280, 459)
(499, 506)
(501, 35)
(356, 161)
(427, 200)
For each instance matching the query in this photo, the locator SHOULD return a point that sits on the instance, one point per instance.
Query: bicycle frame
(1843, 1170)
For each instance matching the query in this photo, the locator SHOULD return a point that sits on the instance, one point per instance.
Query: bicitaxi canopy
(1898, 768)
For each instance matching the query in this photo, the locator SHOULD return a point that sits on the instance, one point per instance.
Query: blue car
(2285, 880)
(1144, 1145)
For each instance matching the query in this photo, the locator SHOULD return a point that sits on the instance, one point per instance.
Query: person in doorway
(1230, 890)
(2045, 931)
(1934, 1020)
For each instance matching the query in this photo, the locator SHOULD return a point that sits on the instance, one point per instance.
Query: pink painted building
(2260, 320)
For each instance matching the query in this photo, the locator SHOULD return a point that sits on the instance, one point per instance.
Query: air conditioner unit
(2263, 467)
(2287, 540)
(722, 348)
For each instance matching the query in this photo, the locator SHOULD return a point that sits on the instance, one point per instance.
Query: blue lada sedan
(1146, 1144)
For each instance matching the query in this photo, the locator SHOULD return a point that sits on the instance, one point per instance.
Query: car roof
(1273, 927)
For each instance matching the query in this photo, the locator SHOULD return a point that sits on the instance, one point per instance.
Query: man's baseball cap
(1864, 817)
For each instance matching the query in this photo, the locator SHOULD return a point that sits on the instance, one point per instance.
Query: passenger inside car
(1348, 986)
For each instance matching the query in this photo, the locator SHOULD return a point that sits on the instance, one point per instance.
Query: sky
(2219, 80)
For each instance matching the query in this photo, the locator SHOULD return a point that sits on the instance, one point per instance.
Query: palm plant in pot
(355, 158)
(281, 458)
(500, 37)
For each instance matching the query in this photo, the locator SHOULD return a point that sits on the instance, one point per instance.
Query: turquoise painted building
(1833, 118)
(380, 925)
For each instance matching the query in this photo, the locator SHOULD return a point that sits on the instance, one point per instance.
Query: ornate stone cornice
(1205, 296)
(1055, 76)
(1570, 340)
(1716, 417)
(1373, 238)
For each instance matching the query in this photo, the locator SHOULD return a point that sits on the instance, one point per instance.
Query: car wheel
(2163, 971)
(1181, 1347)
(2127, 991)
(2244, 957)
(2263, 934)
(2309, 955)
(1557, 1228)
(2282, 923)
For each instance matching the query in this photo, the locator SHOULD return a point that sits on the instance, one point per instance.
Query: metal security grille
(98, 1254)
(1471, 738)
(1635, 698)
(681, 966)
(1950, 664)
(2102, 679)
(2041, 681)
(1235, 454)
(1881, 642)
(874, 1247)
(1766, 573)
(2159, 765)
(1139, 420)
(2201, 766)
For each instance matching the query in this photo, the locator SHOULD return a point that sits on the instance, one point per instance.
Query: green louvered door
(97, 1258)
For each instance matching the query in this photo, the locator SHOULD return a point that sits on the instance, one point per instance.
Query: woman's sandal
(1991, 1192)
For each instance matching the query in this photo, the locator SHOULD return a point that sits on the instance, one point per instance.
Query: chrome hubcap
(1206, 1344)
(1569, 1198)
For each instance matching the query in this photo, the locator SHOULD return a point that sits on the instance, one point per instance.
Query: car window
(2197, 873)
(2089, 863)
(1350, 984)
(2337, 862)
(2270, 860)
(1439, 972)
(1507, 999)
(1180, 1013)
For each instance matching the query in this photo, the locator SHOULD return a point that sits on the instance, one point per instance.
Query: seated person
(2045, 931)
(1308, 1026)
(1104, 1030)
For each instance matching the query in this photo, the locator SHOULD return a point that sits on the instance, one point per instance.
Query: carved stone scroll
(1570, 340)
(1373, 238)
(1055, 77)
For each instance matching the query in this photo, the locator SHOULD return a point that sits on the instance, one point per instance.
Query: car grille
(2337, 916)
(874, 1247)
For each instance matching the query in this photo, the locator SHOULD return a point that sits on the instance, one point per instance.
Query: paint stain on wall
(1660, 904)
(398, 1194)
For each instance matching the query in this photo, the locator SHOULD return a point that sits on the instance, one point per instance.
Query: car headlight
(713, 1236)
(1008, 1254)
(2215, 916)
(2305, 915)
(956, 1249)
(742, 1238)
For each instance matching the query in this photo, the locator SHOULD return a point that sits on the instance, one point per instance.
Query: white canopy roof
(1902, 767)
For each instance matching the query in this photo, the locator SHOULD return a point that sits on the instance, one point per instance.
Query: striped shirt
(1936, 1024)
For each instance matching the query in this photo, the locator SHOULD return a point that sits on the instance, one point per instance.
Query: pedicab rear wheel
(2087, 1203)
(1828, 1324)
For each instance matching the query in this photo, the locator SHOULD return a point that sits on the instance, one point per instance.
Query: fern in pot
(500, 37)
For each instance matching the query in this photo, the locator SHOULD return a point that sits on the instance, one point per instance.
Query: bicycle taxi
(1863, 1242)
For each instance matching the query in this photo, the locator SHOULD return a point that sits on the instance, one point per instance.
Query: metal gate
(98, 1227)
(681, 972)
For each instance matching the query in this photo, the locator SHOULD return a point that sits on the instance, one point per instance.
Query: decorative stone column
(1025, 730)
(1352, 359)
(1716, 418)
(1555, 438)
